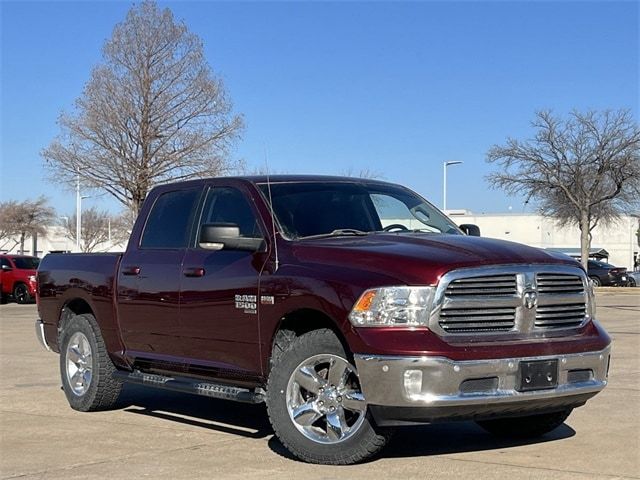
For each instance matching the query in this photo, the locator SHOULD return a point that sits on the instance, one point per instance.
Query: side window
(170, 220)
(4, 262)
(229, 205)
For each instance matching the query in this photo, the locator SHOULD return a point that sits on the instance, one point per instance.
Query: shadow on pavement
(445, 438)
(240, 419)
(251, 421)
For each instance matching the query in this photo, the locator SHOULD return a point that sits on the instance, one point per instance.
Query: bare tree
(366, 173)
(152, 112)
(22, 219)
(99, 229)
(582, 170)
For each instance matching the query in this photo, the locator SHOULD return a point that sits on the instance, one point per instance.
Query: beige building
(536, 230)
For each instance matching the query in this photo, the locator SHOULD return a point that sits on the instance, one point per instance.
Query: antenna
(273, 216)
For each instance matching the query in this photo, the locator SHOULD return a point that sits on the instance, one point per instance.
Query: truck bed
(86, 277)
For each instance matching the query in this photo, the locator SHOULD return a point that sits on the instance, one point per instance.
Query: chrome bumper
(396, 381)
(40, 335)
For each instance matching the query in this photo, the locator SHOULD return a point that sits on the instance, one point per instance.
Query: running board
(191, 385)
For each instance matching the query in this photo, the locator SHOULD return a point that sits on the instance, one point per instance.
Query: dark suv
(606, 274)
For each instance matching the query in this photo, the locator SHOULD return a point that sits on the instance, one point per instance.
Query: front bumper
(403, 389)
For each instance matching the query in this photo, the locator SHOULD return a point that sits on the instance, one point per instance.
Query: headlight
(393, 306)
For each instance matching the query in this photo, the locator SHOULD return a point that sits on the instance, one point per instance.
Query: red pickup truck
(349, 306)
(18, 277)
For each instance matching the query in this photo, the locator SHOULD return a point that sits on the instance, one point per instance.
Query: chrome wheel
(79, 363)
(324, 399)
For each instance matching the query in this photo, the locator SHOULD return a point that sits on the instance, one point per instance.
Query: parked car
(18, 277)
(634, 279)
(605, 274)
(348, 306)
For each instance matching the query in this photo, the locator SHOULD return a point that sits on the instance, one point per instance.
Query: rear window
(169, 223)
(26, 263)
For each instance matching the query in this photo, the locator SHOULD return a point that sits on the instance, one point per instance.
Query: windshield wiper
(340, 232)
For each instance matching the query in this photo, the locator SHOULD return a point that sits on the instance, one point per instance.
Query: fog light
(413, 382)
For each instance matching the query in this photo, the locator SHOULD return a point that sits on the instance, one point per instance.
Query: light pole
(444, 182)
(79, 199)
(78, 212)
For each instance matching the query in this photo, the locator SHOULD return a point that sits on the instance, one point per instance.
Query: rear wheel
(596, 281)
(21, 294)
(525, 427)
(316, 405)
(632, 282)
(85, 367)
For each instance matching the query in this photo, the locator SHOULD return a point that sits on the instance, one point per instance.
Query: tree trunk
(585, 239)
(22, 237)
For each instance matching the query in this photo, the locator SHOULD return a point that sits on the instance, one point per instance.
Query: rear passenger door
(219, 288)
(149, 279)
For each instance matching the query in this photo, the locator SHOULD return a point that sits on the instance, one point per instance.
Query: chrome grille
(522, 300)
(464, 320)
(560, 316)
(559, 283)
(480, 286)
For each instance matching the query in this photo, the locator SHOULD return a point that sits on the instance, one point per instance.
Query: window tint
(26, 263)
(307, 209)
(4, 262)
(228, 205)
(170, 220)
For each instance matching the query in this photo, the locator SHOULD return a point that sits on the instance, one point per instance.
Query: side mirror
(218, 236)
(470, 229)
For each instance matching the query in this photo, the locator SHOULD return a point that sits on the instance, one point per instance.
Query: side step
(191, 385)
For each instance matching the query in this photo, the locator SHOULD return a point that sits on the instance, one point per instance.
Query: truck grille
(515, 300)
(560, 316)
(480, 286)
(559, 283)
(464, 320)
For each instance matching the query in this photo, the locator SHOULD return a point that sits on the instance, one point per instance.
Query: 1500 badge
(247, 303)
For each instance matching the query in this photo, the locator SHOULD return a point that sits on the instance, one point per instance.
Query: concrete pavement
(156, 434)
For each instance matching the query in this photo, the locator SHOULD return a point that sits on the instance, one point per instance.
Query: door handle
(193, 272)
(129, 270)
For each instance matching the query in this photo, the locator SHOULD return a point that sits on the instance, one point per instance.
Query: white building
(536, 230)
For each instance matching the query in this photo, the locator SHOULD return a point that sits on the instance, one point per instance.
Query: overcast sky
(396, 88)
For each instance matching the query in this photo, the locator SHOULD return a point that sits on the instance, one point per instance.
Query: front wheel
(525, 427)
(21, 294)
(85, 367)
(316, 405)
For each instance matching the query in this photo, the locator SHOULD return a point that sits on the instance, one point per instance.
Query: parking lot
(157, 434)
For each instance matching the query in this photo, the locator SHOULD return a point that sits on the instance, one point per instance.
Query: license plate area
(537, 375)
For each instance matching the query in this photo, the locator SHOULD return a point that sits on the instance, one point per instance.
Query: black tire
(102, 390)
(525, 427)
(632, 282)
(596, 281)
(21, 294)
(362, 443)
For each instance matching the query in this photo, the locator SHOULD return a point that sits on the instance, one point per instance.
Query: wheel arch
(298, 322)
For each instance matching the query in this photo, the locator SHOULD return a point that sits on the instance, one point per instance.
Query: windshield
(306, 209)
(26, 263)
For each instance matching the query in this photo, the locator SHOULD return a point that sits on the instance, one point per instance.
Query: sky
(394, 88)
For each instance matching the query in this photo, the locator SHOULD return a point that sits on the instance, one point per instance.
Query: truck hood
(418, 258)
